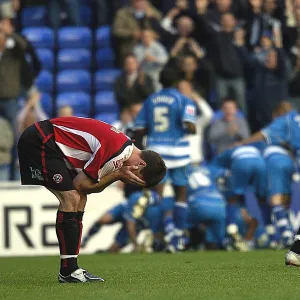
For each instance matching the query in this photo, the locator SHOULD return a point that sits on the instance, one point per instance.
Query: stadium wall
(27, 218)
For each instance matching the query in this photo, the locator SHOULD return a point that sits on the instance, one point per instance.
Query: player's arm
(83, 184)
(275, 133)
(189, 116)
(256, 137)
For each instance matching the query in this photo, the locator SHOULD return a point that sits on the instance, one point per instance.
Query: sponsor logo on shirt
(190, 110)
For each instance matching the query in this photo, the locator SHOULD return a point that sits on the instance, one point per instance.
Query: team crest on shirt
(57, 178)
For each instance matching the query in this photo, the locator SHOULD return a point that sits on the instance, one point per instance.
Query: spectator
(151, 56)
(260, 19)
(199, 73)
(203, 120)
(228, 64)
(106, 9)
(11, 67)
(132, 86)
(269, 78)
(65, 111)
(6, 144)
(294, 85)
(175, 38)
(214, 15)
(31, 112)
(32, 69)
(228, 129)
(72, 8)
(129, 23)
(8, 8)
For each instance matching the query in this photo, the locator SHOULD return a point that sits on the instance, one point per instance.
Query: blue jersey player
(166, 118)
(131, 214)
(247, 168)
(206, 205)
(284, 130)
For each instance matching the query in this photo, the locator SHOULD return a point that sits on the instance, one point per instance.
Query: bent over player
(73, 157)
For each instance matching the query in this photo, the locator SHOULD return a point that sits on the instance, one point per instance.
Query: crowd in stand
(238, 58)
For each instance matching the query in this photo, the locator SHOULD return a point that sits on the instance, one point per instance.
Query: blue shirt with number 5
(163, 115)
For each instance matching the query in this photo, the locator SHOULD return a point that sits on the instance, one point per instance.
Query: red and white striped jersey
(91, 146)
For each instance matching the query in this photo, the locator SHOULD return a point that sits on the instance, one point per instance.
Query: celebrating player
(247, 168)
(166, 117)
(283, 130)
(73, 157)
(131, 214)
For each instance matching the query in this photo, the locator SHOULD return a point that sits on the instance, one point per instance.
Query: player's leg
(110, 217)
(279, 189)
(240, 178)
(169, 226)
(180, 214)
(241, 171)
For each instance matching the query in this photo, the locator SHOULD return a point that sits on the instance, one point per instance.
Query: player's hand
(173, 13)
(150, 58)
(127, 175)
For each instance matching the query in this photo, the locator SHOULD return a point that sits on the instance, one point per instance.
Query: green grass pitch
(187, 276)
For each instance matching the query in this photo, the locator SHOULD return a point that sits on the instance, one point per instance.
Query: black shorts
(41, 160)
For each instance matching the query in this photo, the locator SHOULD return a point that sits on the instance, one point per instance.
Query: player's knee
(70, 201)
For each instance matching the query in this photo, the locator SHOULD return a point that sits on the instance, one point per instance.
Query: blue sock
(266, 213)
(232, 213)
(93, 230)
(180, 216)
(169, 228)
(282, 222)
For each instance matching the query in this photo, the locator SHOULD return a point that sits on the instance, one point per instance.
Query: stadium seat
(109, 118)
(105, 102)
(73, 81)
(105, 58)
(74, 37)
(40, 37)
(74, 59)
(105, 79)
(46, 58)
(47, 104)
(34, 16)
(79, 101)
(44, 82)
(103, 37)
(86, 15)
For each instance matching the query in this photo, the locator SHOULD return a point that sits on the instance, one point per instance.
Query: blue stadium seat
(40, 37)
(44, 82)
(46, 58)
(105, 79)
(86, 15)
(109, 118)
(79, 101)
(74, 37)
(103, 37)
(105, 102)
(73, 81)
(74, 59)
(105, 58)
(47, 103)
(34, 16)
